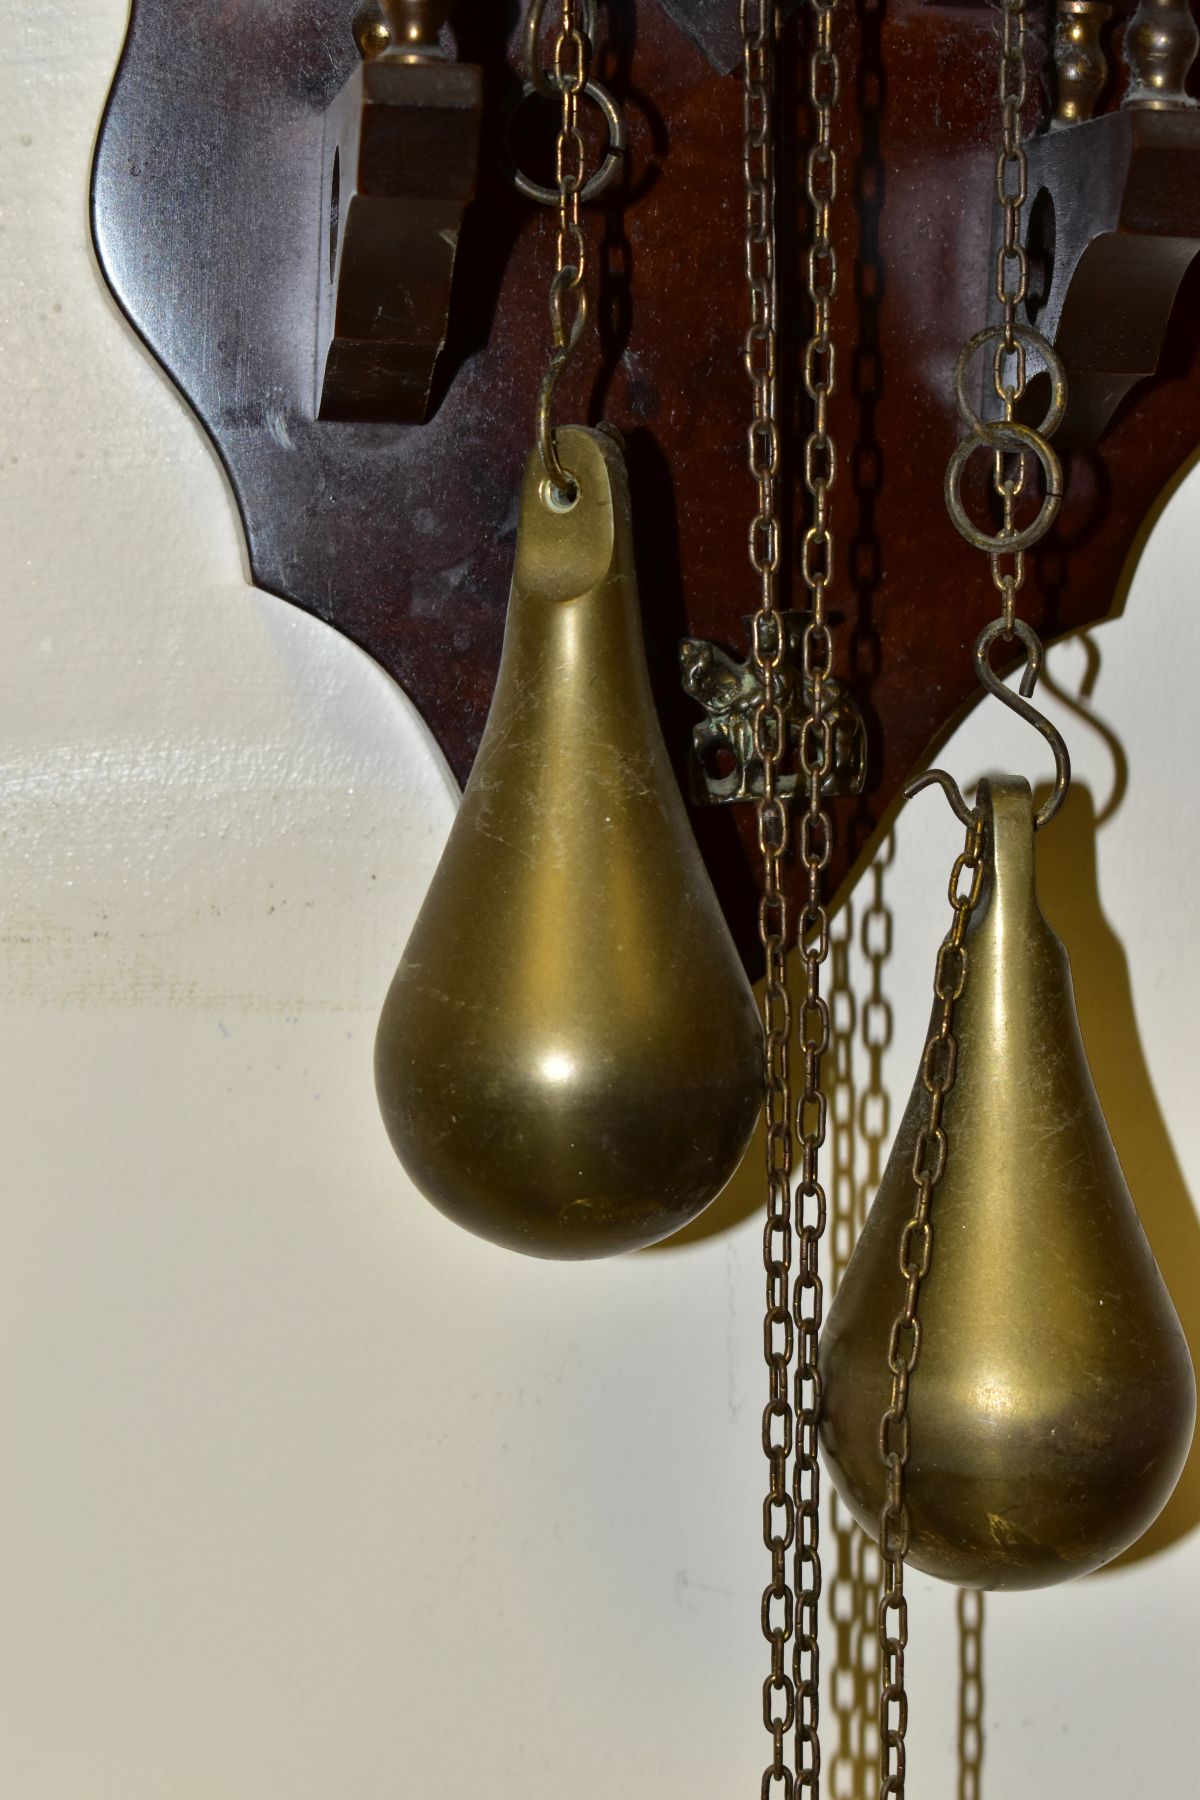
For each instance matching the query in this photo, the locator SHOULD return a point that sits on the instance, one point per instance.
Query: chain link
(938, 1068)
(539, 78)
(571, 63)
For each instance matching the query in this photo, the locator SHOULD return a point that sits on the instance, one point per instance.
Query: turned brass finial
(407, 29)
(1161, 41)
(1080, 64)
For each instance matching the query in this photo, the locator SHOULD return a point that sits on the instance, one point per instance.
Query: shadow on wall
(1070, 897)
(857, 1143)
(1069, 891)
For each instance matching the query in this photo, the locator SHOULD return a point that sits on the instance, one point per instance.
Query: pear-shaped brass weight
(569, 1058)
(1053, 1400)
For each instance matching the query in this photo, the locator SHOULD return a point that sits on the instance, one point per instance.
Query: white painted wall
(303, 1493)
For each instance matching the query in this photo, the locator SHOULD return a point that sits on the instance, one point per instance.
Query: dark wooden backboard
(207, 210)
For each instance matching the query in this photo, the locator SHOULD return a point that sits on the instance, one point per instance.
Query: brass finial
(1161, 41)
(1080, 64)
(405, 29)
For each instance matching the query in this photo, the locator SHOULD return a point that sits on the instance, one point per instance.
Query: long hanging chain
(770, 738)
(791, 1513)
(816, 844)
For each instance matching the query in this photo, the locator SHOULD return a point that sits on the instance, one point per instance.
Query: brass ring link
(605, 175)
(1007, 436)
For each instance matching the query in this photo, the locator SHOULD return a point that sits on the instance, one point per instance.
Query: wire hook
(949, 787)
(1020, 703)
(563, 489)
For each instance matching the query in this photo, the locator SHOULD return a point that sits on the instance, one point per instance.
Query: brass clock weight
(570, 1060)
(553, 1072)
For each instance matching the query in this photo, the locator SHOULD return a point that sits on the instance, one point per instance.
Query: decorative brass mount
(725, 766)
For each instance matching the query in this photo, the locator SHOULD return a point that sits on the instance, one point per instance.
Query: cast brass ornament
(726, 766)
(569, 1061)
(1052, 1397)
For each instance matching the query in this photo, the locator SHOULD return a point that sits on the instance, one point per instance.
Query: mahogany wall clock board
(212, 219)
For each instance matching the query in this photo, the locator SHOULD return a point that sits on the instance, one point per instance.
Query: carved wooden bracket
(401, 145)
(1114, 219)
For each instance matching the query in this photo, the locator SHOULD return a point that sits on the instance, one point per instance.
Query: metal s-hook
(1020, 703)
(949, 787)
(562, 490)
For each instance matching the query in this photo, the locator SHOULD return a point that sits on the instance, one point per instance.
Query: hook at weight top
(1020, 703)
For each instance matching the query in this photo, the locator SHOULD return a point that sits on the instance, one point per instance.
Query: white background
(304, 1494)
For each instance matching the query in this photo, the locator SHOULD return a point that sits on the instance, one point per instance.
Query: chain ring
(999, 435)
(609, 169)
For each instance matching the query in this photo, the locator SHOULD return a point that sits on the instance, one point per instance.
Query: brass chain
(1012, 282)
(572, 61)
(539, 78)
(791, 1514)
(572, 55)
(1009, 437)
(760, 354)
(938, 1068)
(815, 845)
